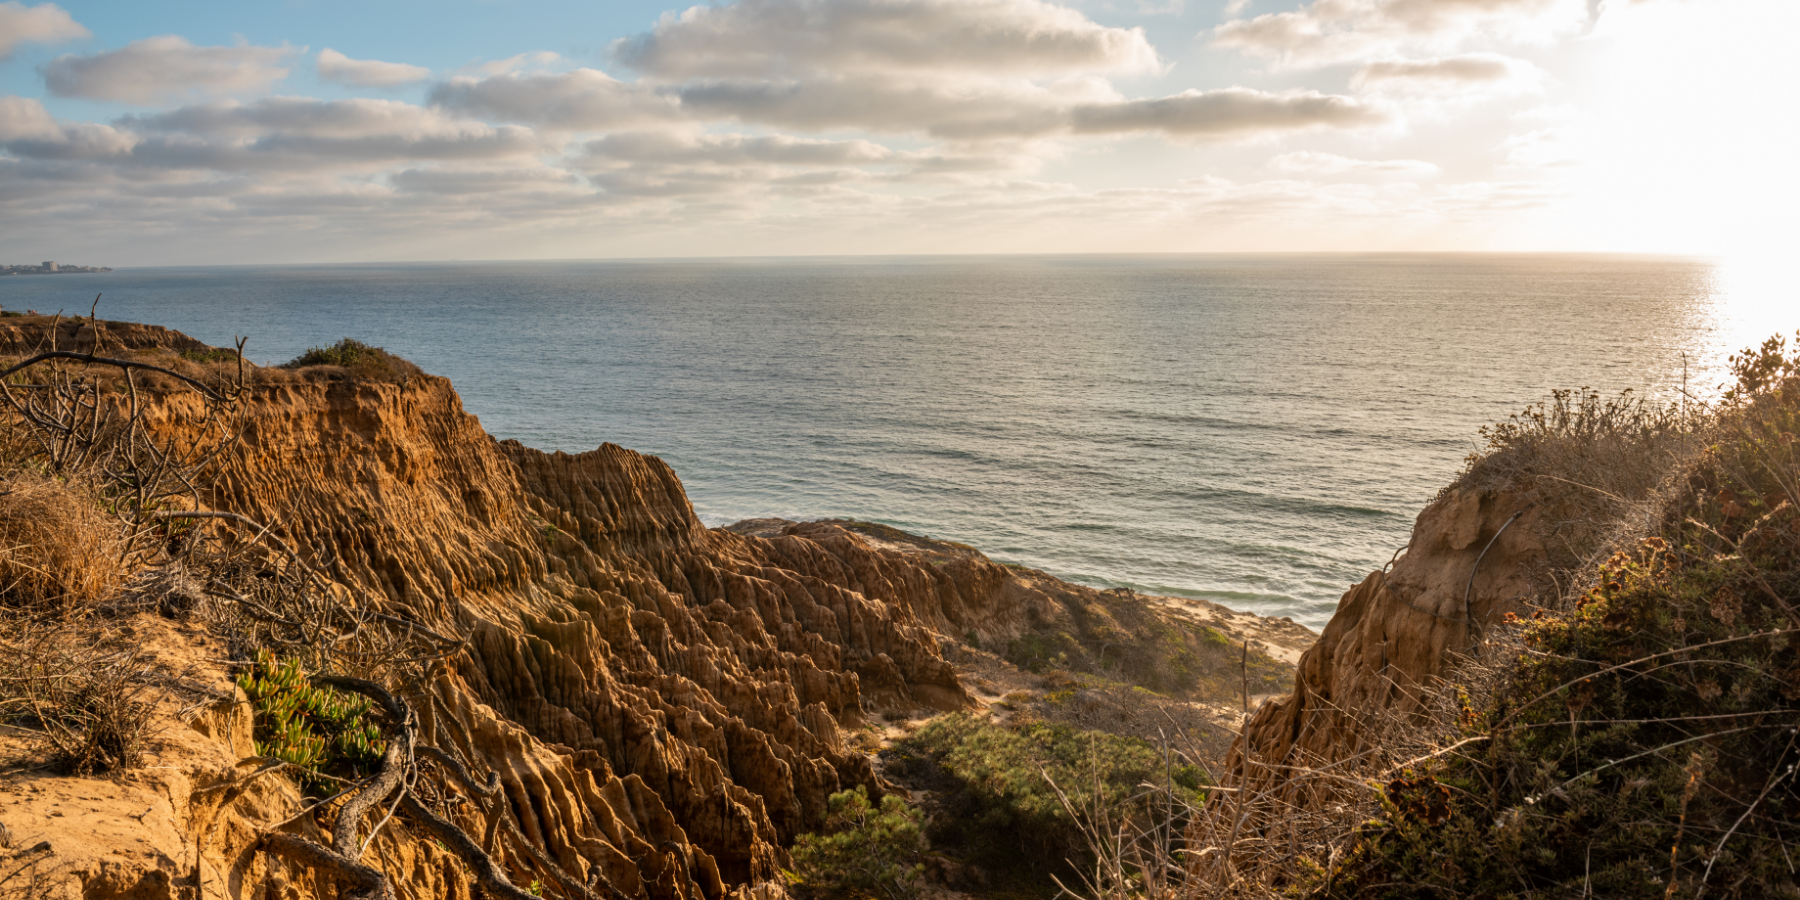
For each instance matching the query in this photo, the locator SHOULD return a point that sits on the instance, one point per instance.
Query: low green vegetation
(996, 789)
(321, 732)
(362, 360)
(1643, 743)
(1120, 638)
(864, 850)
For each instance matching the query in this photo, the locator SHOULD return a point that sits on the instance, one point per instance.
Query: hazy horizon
(920, 257)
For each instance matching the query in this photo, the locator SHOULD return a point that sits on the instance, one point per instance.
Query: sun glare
(1691, 148)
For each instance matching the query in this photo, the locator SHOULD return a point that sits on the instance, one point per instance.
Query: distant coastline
(49, 267)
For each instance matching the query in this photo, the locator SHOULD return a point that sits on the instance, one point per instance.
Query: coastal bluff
(663, 706)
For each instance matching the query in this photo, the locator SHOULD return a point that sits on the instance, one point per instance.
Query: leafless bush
(82, 416)
(1136, 845)
(1204, 734)
(82, 688)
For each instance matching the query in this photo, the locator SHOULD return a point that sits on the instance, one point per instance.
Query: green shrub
(1643, 745)
(364, 361)
(318, 730)
(995, 782)
(864, 850)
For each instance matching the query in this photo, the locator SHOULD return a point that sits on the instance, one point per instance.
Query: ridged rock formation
(666, 705)
(617, 647)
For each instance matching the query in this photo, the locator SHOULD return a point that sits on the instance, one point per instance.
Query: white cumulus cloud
(734, 149)
(335, 66)
(28, 131)
(45, 23)
(582, 100)
(783, 37)
(300, 133)
(167, 69)
(940, 106)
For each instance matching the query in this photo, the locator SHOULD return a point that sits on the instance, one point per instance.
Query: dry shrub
(1600, 471)
(80, 685)
(1593, 466)
(1643, 744)
(58, 549)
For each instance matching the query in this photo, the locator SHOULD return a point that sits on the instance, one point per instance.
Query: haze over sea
(1256, 430)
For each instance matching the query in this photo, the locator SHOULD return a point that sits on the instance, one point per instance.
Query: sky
(336, 131)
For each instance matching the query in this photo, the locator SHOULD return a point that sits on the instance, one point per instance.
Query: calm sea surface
(1255, 430)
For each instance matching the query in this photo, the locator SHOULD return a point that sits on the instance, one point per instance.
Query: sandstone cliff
(1473, 556)
(665, 705)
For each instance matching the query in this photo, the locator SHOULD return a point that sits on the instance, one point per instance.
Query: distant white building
(49, 265)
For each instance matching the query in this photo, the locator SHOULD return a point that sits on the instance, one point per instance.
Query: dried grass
(58, 549)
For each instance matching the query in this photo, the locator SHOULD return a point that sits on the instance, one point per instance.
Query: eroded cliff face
(1394, 632)
(666, 705)
(625, 664)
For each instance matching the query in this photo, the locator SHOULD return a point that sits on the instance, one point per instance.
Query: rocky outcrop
(1183, 647)
(1473, 556)
(666, 705)
(617, 648)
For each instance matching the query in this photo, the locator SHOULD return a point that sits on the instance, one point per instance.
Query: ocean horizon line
(850, 258)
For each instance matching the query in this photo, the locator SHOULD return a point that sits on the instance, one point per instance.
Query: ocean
(1255, 430)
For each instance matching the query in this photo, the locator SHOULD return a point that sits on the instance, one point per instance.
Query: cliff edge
(660, 708)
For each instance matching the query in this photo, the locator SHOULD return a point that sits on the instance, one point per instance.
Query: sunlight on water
(1754, 299)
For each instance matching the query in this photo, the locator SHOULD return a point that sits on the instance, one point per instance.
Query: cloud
(1312, 162)
(980, 70)
(734, 149)
(298, 134)
(1484, 73)
(582, 100)
(780, 38)
(690, 165)
(962, 108)
(166, 69)
(536, 59)
(335, 66)
(965, 108)
(1328, 32)
(29, 131)
(483, 181)
(45, 23)
(1234, 112)
(1473, 67)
